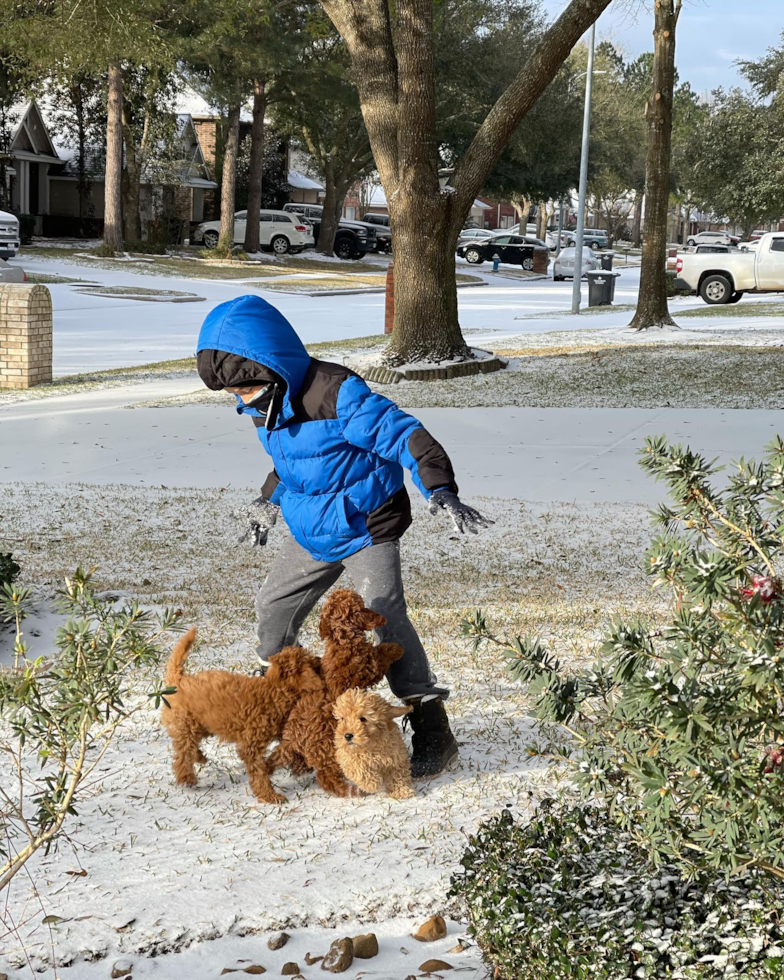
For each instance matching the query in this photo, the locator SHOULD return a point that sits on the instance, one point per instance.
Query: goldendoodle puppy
(369, 746)
(349, 660)
(249, 711)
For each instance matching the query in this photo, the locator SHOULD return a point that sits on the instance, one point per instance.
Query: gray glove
(464, 518)
(257, 519)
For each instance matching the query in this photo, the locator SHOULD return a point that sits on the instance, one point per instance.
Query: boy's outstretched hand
(257, 519)
(464, 518)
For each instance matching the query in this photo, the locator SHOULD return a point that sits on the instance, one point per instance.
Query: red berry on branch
(774, 759)
(765, 587)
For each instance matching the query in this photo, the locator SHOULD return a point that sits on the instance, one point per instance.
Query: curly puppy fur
(249, 711)
(349, 661)
(368, 744)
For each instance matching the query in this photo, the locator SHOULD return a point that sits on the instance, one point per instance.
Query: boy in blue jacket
(339, 451)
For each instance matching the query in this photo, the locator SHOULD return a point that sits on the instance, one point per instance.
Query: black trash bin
(601, 287)
(607, 261)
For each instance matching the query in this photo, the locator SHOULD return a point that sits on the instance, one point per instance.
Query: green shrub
(145, 248)
(8, 568)
(569, 896)
(26, 228)
(60, 716)
(679, 727)
(672, 289)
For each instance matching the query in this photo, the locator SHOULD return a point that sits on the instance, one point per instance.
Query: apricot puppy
(369, 747)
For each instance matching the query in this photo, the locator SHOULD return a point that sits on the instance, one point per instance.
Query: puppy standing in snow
(248, 711)
(368, 744)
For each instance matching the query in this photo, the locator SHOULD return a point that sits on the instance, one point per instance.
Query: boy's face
(247, 392)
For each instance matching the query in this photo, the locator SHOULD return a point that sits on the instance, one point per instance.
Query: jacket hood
(252, 328)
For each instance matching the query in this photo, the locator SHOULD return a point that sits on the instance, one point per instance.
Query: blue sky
(711, 34)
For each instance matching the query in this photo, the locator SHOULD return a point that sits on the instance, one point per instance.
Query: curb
(392, 376)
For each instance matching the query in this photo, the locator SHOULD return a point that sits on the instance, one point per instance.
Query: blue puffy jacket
(339, 448)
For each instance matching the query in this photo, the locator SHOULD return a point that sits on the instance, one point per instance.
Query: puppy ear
(372, 620)
(398, 712)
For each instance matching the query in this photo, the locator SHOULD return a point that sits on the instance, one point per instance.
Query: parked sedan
(474, 235)
(278, 232)
(511, 249)
(11, 273)
(563, 266)
(712, 238)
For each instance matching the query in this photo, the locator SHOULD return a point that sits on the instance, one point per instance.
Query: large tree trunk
(541, 221)
(637, 221)
(394, 75)
(426, 320)
(132, 182)
(329, 215)
(652, 309)
(256, 171)
(112, 217)
(229, 178)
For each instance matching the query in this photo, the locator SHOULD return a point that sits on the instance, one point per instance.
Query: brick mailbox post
(25, 335)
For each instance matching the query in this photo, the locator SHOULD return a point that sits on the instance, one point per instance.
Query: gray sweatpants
(297, 581)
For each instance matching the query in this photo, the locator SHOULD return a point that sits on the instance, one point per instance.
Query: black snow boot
(433, 743)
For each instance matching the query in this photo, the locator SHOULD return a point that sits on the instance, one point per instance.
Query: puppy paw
(275, 798)
(201, 758)
(404, 793)
(189, 780)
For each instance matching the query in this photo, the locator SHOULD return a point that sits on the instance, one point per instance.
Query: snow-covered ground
(94, 333)
(168, 868)
(101, 332)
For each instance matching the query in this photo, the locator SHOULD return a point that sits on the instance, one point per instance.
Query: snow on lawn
(168, 868)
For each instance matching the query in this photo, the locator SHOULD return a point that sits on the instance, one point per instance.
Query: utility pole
(578, 248)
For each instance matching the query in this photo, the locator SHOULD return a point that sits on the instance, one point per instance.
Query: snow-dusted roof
(192, 103)
(187, 167)
(30, 133)
(303, 183)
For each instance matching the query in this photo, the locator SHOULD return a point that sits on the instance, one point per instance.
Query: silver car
(563, 265)
(11, 273)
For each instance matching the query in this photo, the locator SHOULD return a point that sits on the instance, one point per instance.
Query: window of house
(351, 214)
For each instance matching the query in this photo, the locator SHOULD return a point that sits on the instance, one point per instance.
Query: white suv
(278, 231)
(9, 235)
(712, 238)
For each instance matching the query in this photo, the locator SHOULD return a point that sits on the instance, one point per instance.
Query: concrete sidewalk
(533, 454)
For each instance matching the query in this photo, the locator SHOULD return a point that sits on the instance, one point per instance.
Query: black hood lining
(219, 369)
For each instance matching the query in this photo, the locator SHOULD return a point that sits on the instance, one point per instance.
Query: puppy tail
(175, 668)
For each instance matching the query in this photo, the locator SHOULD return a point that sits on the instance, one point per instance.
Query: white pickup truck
(9, 235)
(723, 277)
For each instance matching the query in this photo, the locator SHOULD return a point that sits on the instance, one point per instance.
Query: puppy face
(362, 718)
(345, 616)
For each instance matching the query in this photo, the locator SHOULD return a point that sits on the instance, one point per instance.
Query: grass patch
(43, 279)
(653, 376)
(732, 311)
(584, 311)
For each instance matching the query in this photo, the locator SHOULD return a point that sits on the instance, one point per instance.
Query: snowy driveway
(94, 333)
(535, 454)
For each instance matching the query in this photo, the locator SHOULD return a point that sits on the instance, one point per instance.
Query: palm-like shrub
(59, 716)
(679, 729)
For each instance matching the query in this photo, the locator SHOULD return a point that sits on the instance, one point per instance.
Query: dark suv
(383, 232)
(353, 238)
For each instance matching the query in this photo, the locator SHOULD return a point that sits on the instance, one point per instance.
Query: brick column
(25, 335)
(389, 304)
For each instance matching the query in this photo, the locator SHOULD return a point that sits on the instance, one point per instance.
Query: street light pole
(578, 250)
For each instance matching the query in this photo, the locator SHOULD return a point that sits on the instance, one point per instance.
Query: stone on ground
(278, 940)
(290, 970)
(435, 966)
(366, 946)
(340, 956)
(121, 968)
(428, 932)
